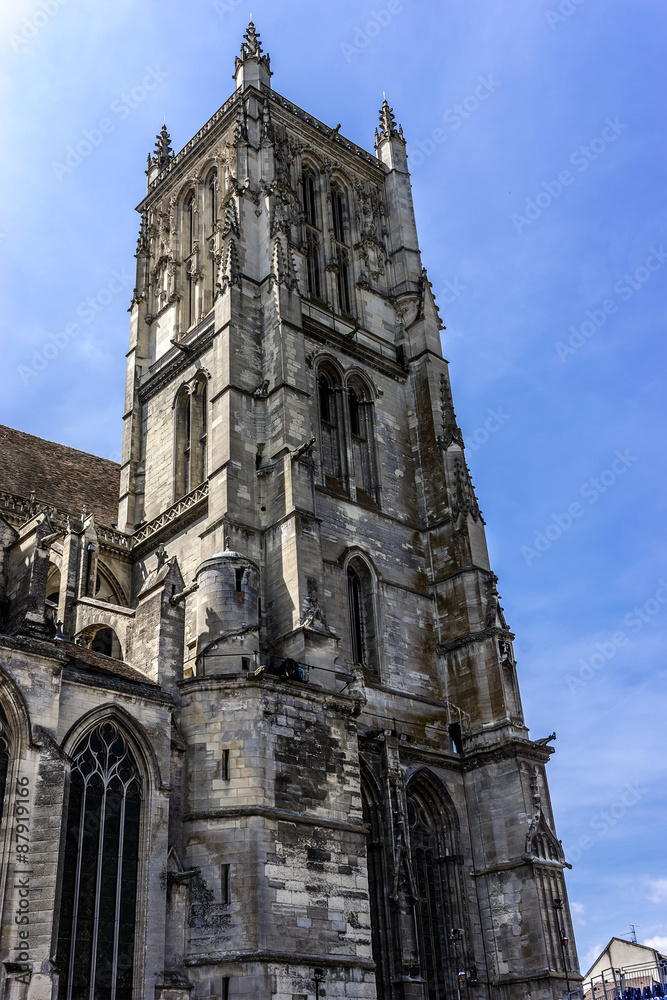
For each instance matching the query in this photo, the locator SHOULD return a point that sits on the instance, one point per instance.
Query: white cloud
(658, 942)
(590, 956)
(578, 909)
(657, 890)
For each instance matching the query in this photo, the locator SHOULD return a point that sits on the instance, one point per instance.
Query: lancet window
(312, 233)
(190, 437)
(361, 609)
(189, 263)
(329, 396)
(211, 220)
(338, 211)
(96, 940)
(360, 408)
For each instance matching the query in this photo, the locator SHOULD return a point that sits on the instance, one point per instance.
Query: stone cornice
(498, 752)
(271, 812)
(332, 339)
(180, 362)
(282, 958)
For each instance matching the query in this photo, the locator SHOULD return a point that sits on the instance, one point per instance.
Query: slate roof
(62, 476)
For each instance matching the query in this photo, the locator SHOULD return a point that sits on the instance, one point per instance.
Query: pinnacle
(388, 127)
(163, 151)
(251, 46)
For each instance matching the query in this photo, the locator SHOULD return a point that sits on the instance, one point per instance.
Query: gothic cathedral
(260, 727)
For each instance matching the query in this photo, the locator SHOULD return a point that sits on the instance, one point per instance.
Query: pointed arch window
(182, 444)
(97, 923)
(312, 234)
(190, 233)
(328, 392)
(198, 434)
(338, 212)
(309, 197)
(212, 218)
(190, 437)
(440, 909)
(362, 441)
(361, 608)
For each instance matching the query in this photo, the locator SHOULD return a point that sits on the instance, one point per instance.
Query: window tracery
(440, 905)
(98, 899)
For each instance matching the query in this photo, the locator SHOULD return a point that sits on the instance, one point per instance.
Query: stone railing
(172, 513)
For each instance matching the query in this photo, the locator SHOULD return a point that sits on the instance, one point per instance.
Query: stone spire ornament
(251, 46)
(388, 127)
(163, 151)
(253, 68)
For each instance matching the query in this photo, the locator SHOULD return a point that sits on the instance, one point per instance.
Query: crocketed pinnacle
(251, 46)
(388, 128)
(163, 151)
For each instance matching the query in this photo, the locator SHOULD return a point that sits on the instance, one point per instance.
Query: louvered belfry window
(99, 890)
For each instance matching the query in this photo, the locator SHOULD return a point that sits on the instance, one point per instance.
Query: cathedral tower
(348, 802)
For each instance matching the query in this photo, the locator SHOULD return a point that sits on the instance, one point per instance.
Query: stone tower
(340, 797)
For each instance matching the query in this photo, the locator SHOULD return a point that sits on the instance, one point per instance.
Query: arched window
(360, 408)
(313, 241)
(328, 392)
(309, 202)
(361, 608)
(97, 922)
(342, 254)
(198, 434)
(190, 234)
(440, 906)
(182, 444)
(338, 212)
(211, 220)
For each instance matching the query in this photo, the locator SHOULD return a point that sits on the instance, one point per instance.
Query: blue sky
(536, 139)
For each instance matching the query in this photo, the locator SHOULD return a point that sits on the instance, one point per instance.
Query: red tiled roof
(59, 475)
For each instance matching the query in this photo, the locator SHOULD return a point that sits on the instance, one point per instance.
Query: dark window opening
(343, 284)
(103, 642)
(224, 762)
(338, 216)
(313, 263)
(355, 421)
(95, 952)
(356, 616)
(456, 736)
(238, 573)
(225, 884)
(309, 205)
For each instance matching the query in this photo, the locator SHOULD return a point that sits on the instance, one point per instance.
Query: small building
(626, 965)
